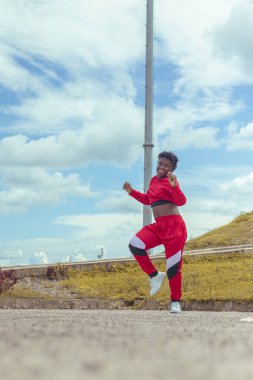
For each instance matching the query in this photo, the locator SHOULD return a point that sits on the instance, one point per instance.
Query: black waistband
(161, 202)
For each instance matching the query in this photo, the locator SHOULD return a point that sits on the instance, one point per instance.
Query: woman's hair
(169, 156)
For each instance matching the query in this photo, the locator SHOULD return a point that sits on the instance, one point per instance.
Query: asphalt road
(125, 344)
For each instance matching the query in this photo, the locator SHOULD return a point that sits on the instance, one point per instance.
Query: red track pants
(171, 232)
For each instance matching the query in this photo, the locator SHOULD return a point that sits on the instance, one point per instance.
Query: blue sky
(72, 119)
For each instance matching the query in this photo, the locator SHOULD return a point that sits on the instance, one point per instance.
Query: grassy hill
(237, 232)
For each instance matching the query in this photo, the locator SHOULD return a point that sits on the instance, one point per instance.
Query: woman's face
(164, 166)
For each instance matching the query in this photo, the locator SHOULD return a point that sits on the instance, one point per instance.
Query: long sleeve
(178, 196)
(140, 197)
(160, 189)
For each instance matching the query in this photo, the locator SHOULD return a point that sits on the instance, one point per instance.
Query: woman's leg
(173, 266)
(173, 250)
(145, 239)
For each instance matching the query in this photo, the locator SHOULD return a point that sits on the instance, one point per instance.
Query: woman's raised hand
(127, 187)
(172, 179)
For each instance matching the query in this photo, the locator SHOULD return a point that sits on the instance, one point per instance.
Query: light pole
(148, 139)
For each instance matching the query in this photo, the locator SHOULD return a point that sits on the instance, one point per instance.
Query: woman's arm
(140, 197)
(177, 195)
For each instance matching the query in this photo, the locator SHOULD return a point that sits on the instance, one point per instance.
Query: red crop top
(160, 189)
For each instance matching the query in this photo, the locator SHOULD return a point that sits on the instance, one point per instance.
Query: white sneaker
(175, 307)
(156, 282)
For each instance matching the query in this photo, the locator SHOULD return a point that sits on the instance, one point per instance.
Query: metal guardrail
(227, 248)
(230, 249)
(41, 269)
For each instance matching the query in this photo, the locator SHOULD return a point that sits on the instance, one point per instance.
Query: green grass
(237, 232)
(21, 292)
(213, 277)
(219, 277)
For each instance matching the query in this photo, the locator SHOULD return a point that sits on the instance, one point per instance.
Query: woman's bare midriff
(166, 209)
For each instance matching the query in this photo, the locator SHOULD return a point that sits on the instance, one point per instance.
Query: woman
(164, 195)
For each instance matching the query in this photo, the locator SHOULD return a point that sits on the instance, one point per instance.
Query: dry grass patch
(213, 277)
(119, 282)
(218, 278)
(237, 232)
(22, 292)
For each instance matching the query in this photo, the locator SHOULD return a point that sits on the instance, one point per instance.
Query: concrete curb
(11, 303)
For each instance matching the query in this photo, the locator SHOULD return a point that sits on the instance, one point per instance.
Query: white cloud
(199, 223)
(189, 137)
(39, 257)
(215, 197)
(77, 256)
(115, 122)
(73, 34)
(52, 110)
(53, 251)
(185, 32)
(87, 234)
(233, 38)
(11, 256)
(95, 226)
(190, 36)
(179, 123)
(119, 202)
(212, 206)
(211, 105)
(73, 105)
(84, 104)
(240, 137)
(12, 75)
(111, 230)
(71, 43)
(27, 187)
(239, 186)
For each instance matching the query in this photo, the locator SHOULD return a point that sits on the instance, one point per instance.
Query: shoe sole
(158, 287)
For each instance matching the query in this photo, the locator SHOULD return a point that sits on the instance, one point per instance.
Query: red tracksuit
(168, 230)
